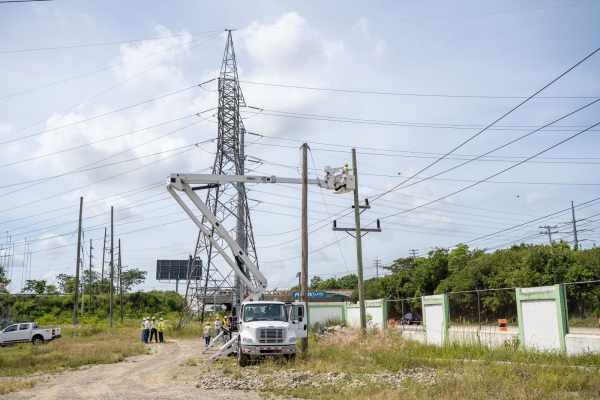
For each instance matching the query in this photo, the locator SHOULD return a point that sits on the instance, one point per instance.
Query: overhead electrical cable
(497, 120)
(414, 94)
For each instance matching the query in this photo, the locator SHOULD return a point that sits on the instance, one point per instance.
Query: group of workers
(207, 331)
(153, 329)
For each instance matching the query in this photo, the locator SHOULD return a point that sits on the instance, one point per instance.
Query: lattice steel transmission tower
(228, 202)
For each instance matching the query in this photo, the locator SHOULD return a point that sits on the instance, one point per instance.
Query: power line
(413, 94)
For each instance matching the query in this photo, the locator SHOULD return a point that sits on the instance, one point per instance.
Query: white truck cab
(270, 328)
(27, 332)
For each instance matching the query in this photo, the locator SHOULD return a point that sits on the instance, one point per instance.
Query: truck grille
(271, 335)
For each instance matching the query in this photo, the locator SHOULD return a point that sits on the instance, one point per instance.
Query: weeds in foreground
(530, 374)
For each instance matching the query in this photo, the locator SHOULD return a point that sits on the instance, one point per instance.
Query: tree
(315, 282)
(52, 290)
(131, 278)
(348, 282)
(66, 283)
(3, 278)
(35, 286)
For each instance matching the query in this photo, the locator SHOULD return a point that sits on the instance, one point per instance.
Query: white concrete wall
(374, 308)
(434, 323)
(540, 324)
(582, 344)
(419, 336)
(319, 314)
(489, 336)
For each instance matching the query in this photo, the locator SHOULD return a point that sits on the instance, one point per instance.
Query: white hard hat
(161, 319)
(153, 317)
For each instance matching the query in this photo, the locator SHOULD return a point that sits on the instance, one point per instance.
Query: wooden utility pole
(90, 277)
(121, 282)
(76, 298)
(359, 259)
(112, 268)
(304, 273)
(548, 232)
(576, 242)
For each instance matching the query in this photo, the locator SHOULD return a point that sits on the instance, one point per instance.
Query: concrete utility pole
(358, 232)
(548, 232)
(121, 281)
(413, 253)
(304, 271)
(576, 244)
(112, 268)
(359, 260)
(377, 264)
(76, 298)
(103, 253)
(90, 277)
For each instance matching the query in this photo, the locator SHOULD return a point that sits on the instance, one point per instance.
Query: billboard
(177, 269)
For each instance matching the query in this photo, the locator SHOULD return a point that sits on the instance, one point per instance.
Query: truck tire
(37, 340)
(289, 357)
(242, 359)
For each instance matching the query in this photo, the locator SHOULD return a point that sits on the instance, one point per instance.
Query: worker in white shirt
(147, 329)
(153, 331)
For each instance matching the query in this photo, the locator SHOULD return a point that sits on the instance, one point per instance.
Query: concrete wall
(489, 336)
(321, 312)
(377, 309)
(434, 325)
(582, 344)
(540, 325)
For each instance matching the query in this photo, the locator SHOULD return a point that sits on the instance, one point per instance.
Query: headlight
(247, 340)
(292, 340)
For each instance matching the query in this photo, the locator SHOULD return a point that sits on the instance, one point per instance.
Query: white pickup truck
(27, 332)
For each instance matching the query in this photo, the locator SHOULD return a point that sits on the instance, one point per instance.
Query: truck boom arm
(182, 182)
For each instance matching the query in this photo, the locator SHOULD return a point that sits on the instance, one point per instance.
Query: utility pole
(304, 271)
(121, 282)
(112, 268)
(377, 264)
(90, 277)
(361, 286)
(576, 244)
(358, 232)
(548, 232)
(103, 253)
(413, 253)
(76, 298)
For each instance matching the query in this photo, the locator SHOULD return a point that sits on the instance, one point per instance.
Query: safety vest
(161, 326)
(143, 325)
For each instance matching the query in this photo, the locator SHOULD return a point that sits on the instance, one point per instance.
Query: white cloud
(380, 48)
(362, 26)
(87, 19)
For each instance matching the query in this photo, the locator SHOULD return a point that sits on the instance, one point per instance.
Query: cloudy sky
(98, 99)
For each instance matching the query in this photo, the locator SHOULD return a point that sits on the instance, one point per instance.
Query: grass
(490, 373)
(96, 343)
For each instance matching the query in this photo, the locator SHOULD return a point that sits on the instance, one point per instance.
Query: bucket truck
(263, 327)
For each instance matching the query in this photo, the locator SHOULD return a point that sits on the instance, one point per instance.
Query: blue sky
(504, 51)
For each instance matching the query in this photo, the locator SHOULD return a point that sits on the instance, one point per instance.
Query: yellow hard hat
(345, 164)
(218, 318)
(208, 323)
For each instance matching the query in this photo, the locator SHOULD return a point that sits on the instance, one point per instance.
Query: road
(159, 375)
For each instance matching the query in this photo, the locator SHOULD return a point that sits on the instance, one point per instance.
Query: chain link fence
(583, 307)
(405, 314)
(491, 309)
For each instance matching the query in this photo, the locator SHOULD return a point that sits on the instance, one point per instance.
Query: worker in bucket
(207, 333)
(161, 330)
(217, 326)
(143, 329)
(153, 331)
(345, 170)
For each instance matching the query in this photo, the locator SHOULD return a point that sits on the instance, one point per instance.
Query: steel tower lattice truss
(228, 202)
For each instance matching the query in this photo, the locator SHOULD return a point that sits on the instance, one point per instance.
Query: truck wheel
(242, 358)
(37, 340)
(290, 357)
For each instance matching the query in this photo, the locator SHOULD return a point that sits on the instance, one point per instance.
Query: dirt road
(158, 375)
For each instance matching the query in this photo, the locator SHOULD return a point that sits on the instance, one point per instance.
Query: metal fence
(405, 314)
(583, 307)
(484, 309)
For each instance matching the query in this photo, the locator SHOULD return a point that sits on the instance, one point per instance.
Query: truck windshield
(265, 312)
